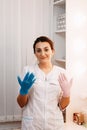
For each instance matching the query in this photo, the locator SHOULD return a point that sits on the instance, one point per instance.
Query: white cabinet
(59, 31)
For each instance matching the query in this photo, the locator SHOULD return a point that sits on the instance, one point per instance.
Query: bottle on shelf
(61, 23)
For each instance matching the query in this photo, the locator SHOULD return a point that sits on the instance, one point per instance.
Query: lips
(43, 58)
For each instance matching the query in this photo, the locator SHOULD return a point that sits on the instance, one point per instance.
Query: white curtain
(10, 59)
(21, 21)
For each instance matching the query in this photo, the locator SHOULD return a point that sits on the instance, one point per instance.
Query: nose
(42, 53)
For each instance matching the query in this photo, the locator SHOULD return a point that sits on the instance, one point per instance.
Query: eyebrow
(44, 47)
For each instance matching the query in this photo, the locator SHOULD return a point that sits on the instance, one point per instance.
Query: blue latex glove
(27, 83)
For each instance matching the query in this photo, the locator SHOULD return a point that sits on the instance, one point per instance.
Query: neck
(45, 65)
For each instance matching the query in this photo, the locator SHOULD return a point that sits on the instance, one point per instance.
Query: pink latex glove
(65, 84)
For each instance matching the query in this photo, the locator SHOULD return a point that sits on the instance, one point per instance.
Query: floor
(16, 126)
(10, 126)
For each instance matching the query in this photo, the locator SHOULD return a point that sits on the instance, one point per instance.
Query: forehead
(42, 45)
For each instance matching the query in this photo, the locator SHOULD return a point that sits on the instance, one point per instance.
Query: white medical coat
(42, 111)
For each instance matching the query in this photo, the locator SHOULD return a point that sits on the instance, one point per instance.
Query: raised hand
(26, 83)
(65, 84)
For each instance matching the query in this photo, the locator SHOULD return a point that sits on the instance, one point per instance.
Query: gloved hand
(65, 85)
(27, 83)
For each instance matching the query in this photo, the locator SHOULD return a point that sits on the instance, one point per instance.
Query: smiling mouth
(43, 58)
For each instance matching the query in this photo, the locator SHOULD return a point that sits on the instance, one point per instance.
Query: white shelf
(60, 31)
(60, 60)
(60, 2)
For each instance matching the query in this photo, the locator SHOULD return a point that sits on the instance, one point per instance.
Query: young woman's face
(43, 52)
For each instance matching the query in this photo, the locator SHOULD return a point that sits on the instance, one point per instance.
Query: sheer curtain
(21, 21)
(10, 59)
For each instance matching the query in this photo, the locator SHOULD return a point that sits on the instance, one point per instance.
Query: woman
(40, 92)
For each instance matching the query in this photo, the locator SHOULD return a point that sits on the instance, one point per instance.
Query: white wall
(76, 52)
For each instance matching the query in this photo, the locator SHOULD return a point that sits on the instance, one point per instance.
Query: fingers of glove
(19, 80)
(29, 82)
(33, 80)
(26, 76)
(62, 77)
(31, 77)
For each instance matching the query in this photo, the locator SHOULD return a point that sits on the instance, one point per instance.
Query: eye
(38, 50)
(46, 49)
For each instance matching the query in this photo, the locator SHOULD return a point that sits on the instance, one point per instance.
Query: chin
(44, 61)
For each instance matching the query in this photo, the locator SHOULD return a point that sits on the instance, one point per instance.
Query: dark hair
(43, 39)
